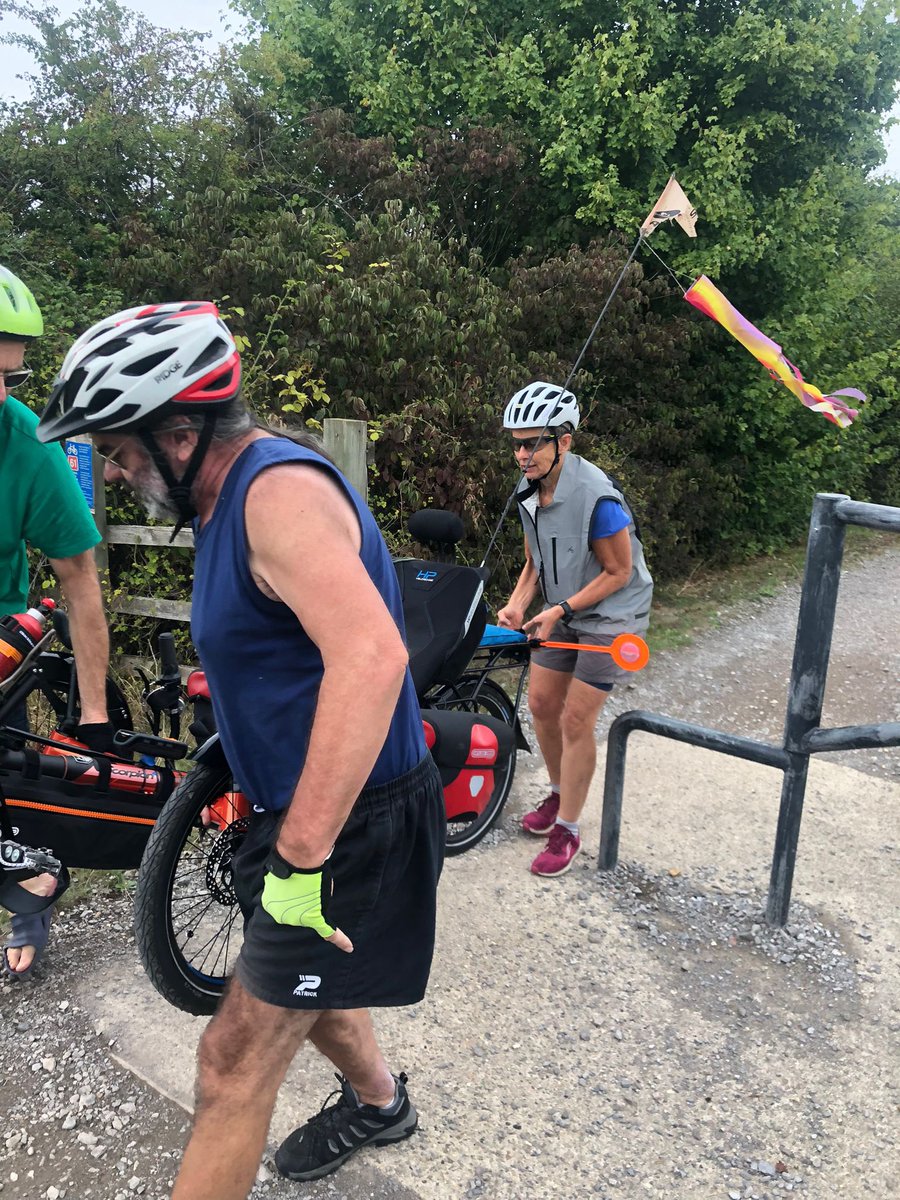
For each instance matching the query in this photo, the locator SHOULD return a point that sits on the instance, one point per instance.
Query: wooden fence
(345, 441)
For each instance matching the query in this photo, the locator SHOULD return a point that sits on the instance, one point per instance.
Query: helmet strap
(540, 479)
(180, 489)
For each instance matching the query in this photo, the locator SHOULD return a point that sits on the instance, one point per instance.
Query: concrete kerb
(602, 1034)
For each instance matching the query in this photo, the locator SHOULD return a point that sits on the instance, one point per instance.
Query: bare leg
(243, 1057)
(546, 699)
(579, 752)
(347, 1038)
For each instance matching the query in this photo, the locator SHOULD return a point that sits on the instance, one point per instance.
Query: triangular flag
(673, 205)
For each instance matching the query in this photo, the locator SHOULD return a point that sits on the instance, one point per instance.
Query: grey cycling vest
(559, 539)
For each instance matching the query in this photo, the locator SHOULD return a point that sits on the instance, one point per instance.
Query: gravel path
(681, 1005)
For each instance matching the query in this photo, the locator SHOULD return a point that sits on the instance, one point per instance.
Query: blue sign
(79, 456)
(426, 577)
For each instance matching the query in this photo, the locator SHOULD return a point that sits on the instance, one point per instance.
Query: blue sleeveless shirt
(264, 671)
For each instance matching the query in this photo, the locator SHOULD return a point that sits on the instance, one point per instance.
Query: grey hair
(233, 420)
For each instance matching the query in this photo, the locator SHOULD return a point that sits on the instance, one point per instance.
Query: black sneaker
(339, 1130)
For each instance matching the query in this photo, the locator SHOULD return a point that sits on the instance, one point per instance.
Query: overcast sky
(213, 17)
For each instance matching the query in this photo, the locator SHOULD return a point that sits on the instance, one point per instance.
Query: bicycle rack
(802, 733)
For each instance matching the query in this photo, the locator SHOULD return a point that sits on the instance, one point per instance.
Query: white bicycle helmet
(138, 366)
(20, 316)
(541, 406)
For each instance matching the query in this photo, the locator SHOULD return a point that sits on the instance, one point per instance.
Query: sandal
(28, 929)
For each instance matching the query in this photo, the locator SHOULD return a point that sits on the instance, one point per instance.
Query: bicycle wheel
(48, 701)
(474, 693)
(188, 924)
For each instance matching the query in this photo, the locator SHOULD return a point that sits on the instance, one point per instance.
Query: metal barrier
(802, 734)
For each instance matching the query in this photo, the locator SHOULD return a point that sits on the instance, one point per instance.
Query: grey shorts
(386, 863)
(598, 670)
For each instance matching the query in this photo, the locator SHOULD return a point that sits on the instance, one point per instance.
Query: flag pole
(576, 365)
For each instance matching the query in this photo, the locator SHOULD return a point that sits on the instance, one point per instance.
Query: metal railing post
(613, 789)
(812, 649)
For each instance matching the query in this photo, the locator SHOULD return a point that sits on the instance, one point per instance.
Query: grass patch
(684, 609)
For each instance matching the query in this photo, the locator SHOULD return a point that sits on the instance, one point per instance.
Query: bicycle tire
(474, 693)
(183, 853)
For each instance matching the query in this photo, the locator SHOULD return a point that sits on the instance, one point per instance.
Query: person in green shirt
(41, 505)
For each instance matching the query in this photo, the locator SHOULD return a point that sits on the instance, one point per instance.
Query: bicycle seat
(445, 615)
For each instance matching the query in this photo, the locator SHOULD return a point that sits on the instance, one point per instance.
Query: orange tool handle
(628, 651)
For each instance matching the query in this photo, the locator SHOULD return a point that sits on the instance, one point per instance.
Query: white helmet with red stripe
(131, 370)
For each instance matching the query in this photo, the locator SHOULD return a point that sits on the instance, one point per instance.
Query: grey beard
(150, 489)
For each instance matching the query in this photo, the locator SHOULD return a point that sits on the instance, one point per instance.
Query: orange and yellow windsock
(703, 294)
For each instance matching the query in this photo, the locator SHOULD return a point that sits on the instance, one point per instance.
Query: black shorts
(386, 865)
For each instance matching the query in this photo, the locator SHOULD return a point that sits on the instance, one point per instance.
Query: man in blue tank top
(297, 617)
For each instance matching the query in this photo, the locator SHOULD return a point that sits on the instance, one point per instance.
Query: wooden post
(346, 442)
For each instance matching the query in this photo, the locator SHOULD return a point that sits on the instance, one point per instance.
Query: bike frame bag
(90, 810)
(469, 749)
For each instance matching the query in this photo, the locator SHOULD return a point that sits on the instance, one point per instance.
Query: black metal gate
(802, 733)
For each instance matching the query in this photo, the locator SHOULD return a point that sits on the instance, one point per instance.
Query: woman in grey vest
(583, 555)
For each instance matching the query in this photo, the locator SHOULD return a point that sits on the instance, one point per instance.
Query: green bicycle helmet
(20, 316)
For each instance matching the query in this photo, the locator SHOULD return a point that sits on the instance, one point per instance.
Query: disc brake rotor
(219, 876)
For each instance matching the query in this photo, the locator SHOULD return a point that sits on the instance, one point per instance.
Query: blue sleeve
(609, 517)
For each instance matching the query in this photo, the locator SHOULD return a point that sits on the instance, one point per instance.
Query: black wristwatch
(283, 869)
(568, 610)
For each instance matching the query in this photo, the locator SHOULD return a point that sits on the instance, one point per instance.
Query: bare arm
(304, 550)
(90, 636)
(512, 615)
(614, 555)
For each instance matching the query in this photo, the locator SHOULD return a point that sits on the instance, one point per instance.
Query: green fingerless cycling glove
(293, 896)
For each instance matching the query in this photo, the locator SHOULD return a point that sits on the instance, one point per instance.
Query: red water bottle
(20, 633)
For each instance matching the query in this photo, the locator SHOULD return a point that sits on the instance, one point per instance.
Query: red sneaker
(542, 819)
(562, 846)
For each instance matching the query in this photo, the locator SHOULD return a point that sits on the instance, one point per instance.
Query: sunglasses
(15, 379)
(533, 443)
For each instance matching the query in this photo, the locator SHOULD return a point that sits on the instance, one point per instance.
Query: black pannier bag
(89, 810)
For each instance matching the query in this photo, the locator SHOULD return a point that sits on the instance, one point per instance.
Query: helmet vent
(208, 357)
(126, 412)
(107, 350)
(100, 399)
(11, 296)
(73, 386)
(216, 385)
(146, 364)
(100, 374)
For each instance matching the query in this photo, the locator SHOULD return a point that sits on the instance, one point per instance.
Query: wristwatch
(568, 610)
(283, 869)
